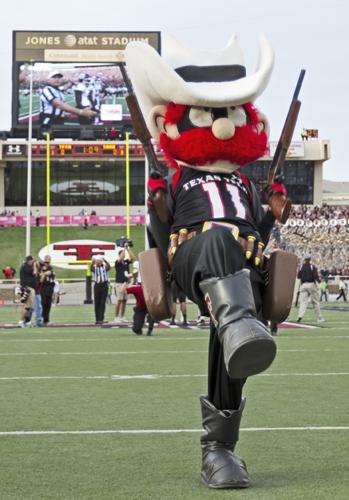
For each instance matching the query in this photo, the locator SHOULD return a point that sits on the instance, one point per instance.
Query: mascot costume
(199, 107)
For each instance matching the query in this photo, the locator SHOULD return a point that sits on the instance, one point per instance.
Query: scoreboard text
(114, 150)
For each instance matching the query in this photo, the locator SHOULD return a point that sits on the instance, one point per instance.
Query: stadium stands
(321, 231)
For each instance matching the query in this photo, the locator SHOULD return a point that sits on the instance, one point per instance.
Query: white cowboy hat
(54, 73)
(212, 78)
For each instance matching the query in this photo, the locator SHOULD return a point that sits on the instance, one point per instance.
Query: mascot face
(198, 103)
(214, 139)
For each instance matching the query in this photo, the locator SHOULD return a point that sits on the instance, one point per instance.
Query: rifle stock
(138, 122)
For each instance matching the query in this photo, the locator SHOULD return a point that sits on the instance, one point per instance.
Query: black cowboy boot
(221, 468)
(248, 347)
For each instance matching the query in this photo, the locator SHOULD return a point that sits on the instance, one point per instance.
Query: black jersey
(204, 196)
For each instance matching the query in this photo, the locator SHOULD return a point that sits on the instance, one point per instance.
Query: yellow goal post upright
(48, 193)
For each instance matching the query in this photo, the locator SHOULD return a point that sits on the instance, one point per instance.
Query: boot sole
(226, 486)
(252, 357)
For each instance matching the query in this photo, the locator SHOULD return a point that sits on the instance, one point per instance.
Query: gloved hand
(157, 189)
(253, 247)
(277, 187)
(155, 183)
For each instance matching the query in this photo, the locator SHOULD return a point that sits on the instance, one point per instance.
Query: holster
(281, 269)
(156, 287)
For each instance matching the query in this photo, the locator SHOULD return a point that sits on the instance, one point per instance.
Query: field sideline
(91, 413)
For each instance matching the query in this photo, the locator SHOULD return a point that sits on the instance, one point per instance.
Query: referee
(99, 269)
(52, 105)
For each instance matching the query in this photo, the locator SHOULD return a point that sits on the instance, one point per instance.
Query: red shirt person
(140, 311)
(9, 272)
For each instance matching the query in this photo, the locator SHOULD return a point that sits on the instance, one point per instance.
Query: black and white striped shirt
(100, 273)
(48, 94)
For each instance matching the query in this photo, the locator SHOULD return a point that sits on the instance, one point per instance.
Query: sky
(308, 34)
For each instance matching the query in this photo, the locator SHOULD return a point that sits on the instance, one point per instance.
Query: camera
(24, 294)
(121, 242)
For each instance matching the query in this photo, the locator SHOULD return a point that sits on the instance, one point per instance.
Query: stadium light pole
(29, 162)
(146, 177)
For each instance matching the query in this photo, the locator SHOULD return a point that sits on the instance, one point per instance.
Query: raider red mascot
(198, 105)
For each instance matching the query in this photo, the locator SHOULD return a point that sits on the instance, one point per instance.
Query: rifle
(280, 205)
(143, 134)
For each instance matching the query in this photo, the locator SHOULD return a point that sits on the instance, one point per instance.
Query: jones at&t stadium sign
(78, 46)
(65, 253)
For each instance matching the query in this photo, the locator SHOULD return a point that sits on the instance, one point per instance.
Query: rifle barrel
(299, 85)
(287, 131)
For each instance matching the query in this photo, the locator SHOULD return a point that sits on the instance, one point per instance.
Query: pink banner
(73, 220)
(8, 220)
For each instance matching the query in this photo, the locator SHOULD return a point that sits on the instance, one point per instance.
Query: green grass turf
(69, 99)
(12, 242)
(282, 464)
(24, 104)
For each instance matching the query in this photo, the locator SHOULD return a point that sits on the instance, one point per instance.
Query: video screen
(96, 87)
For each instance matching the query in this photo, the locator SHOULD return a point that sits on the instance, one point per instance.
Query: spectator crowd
(322, 232)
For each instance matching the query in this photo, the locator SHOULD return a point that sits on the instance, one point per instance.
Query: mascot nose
(223, 128)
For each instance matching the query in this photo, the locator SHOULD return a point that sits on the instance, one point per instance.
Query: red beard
(199, 147)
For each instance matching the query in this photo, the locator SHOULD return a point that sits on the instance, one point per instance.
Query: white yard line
(109, 339)
(122, 353)
(98, 353)
(159, 376)
(169, 431)
(282, 336)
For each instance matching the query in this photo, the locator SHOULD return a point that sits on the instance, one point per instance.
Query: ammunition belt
(250, 245)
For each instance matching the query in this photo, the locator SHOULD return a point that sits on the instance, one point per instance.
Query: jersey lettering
(215, 198)
(236, 199)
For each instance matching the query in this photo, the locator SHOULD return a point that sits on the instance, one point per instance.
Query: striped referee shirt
(48, 94)
(100, 273)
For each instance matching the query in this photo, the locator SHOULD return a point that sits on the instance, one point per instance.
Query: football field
(99, 413)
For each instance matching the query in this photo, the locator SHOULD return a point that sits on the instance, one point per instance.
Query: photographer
(47, 279)
(122, 274)
(28, 280)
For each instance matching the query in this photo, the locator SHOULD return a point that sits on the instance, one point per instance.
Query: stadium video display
(99, 87)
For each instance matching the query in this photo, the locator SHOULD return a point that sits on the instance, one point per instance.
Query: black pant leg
(48, 306)
(225, 393)
(46, 300)
(100, 297)
(151, 322)
(103, 301)
(138, 319)
(96, 295)
(43, 303)
(214, 253)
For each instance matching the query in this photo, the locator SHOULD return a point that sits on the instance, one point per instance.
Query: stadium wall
(303, 172)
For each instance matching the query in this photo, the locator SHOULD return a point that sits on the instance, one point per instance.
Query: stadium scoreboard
(71, 150)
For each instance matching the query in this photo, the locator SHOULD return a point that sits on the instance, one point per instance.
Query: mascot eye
(237, 115)
(201, 117)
